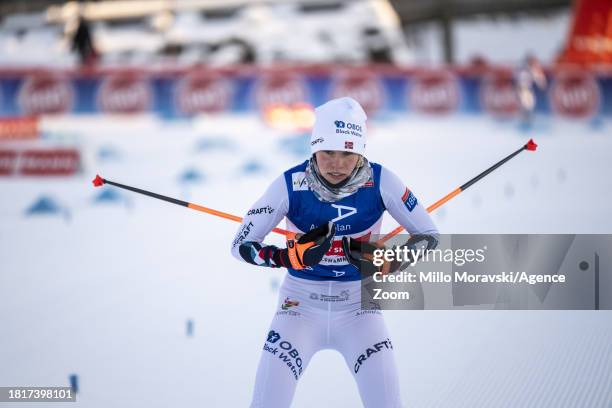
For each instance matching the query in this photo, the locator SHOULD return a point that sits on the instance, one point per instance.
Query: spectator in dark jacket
(83, 44)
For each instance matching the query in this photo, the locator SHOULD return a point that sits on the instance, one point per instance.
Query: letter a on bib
(350, 211)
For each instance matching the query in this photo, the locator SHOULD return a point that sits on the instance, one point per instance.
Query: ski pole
(530, 145)
(99, 181)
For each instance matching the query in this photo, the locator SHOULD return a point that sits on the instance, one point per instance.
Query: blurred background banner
(184, 57)
(590, 38)
(573, 92)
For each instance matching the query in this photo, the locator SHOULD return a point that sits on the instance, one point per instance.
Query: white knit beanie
(340, 124)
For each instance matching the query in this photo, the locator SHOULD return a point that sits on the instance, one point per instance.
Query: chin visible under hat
(340, 124)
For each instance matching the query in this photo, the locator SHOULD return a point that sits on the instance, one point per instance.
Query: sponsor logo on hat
(351, 128)
(314, 142)
(350, 132)
(354, 126)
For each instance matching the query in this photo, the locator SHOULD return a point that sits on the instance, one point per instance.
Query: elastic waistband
(330, 286)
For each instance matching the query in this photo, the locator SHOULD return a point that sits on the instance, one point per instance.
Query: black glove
(361, 254)
(308, 249)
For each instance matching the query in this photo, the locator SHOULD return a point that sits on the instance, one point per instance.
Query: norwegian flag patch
(348, 145)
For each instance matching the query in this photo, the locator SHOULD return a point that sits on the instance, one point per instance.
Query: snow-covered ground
(104, 290)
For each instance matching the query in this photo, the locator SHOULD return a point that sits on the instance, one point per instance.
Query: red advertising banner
(46, 93)
(124, 93)
(435, 92)
(498, 94)
(39, 162)
(203, 93)
(291, 91)
(590, 39)
(575, 94)
(8, 160)
(280, 89)
(362, 85)
(18, 128)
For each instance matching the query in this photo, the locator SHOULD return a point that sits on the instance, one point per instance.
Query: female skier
(333, 201)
